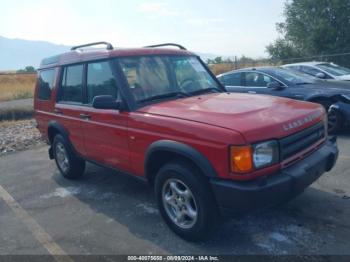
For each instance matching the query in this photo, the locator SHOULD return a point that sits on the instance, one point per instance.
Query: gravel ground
(18, 135)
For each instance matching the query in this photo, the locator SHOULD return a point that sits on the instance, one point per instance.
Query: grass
(16, 86)
(16, 113)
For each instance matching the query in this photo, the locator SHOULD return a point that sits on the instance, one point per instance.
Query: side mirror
(107, 102)
(275, 85)
(321, 75)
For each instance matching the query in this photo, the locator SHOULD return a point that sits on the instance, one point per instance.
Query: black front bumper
(236, 197)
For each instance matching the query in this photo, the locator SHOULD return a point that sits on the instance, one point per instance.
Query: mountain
(18, 53)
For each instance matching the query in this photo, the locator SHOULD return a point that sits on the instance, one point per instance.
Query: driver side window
(254, 79)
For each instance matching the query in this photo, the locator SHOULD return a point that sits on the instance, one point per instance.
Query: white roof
(314, 63)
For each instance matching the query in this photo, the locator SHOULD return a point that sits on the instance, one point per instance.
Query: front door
(105, 131)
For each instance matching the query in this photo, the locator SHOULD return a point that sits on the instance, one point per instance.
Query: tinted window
(310, 70)
(291, 76)
(46, 80)
(72, 84)
(100, 81)
(254, 79)
(334, 69)
(231, 79)
(293, 67)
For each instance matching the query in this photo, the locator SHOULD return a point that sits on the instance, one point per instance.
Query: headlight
(265, 154)
(247, 158)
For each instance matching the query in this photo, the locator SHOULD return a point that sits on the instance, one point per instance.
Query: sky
(223, 27)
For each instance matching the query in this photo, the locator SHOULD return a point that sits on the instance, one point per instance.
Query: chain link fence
(342, 59)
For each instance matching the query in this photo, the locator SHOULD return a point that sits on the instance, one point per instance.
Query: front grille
(293, 144)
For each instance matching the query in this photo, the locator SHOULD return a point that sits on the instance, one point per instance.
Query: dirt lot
(107, 213)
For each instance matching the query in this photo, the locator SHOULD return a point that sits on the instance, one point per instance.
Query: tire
(68, 163)
(334, 118)
(334, 121)
(199, 215)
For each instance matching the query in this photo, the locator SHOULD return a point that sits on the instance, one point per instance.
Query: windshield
(293, 76)
(155, 77)
(334, 69)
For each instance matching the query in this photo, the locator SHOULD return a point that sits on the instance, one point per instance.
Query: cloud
(155, 8)
(204, 21)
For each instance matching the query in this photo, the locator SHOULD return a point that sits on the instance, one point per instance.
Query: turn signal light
(241, 159)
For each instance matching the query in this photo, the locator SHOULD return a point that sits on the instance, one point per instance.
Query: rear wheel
(185, 201)
(67, 162)
(334, 121)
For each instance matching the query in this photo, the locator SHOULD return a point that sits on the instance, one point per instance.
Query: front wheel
(185, 201)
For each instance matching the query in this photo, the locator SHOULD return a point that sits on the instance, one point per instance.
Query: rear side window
(309, 70)
(46, 82)
(100, 81)
(72, 84)
(254, 79)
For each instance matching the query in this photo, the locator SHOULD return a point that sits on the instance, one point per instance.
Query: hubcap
(179, 203)
(61, 157)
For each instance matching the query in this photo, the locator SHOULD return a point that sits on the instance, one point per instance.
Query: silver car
(323, 70)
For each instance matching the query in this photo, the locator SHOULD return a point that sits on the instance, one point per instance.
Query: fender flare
(62, 131)
(57, 126)
(182, 149)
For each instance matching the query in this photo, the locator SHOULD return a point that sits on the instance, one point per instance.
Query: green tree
(312, 27)
(27, 69)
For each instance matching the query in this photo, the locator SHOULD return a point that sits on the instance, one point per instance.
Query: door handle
(57, 111)
(251, 92)
(85, 116)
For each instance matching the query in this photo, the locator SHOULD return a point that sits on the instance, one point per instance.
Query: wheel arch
(56, 128)
(53, 129)
(163, 151)
(322, 98)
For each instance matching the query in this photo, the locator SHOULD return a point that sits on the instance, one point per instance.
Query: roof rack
(168, 44)
(109, 45)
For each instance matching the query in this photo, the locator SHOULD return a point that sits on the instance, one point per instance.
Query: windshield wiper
(206, 90)
(167, 95)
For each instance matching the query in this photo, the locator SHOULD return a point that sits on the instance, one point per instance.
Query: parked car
(277, 81)
(159, 114)
(322, 70)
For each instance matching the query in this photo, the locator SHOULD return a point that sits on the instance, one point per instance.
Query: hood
(336, 85)
(344, 77)
(256, 117)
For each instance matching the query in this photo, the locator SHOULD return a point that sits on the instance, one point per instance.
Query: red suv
(160, 114)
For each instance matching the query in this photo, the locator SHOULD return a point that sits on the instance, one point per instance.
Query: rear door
(105, 131)
(69, 102)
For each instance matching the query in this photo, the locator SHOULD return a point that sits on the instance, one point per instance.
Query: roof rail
(109, 45)
(168, 44)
